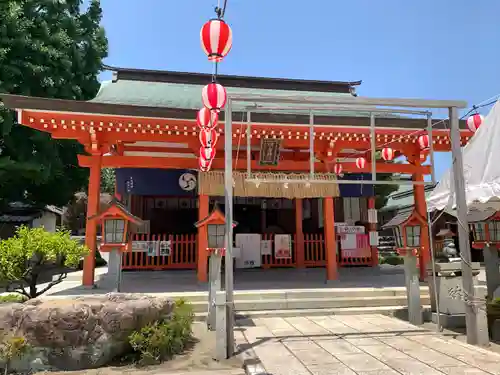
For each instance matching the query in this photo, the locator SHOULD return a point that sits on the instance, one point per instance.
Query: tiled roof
(188, 96)
(403, 198)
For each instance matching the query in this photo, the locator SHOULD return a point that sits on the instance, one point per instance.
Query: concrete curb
(251, 362)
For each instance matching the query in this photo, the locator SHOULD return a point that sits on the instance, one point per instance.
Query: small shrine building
(143, 124)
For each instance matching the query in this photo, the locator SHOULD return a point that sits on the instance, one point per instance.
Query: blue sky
(436, 49)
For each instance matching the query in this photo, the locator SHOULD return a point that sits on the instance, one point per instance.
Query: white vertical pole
(373, 146)
(228, 192)
(249, 145)
(431, 148)
(311, 144)
(471, 312)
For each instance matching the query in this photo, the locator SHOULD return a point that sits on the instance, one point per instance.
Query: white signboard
(349, 229)
(249, 245)
(282, 246)
(266, 247)
(165, 248)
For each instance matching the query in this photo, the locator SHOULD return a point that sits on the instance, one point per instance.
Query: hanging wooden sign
(269, 151)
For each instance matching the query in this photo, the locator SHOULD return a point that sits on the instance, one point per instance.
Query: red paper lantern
(360, 163)
(216, 39)
(204, 164)
(208, 137)
(387, 153)
(337, 169)
(214, 96)
(207, 119)
(474, 122)
(207, 153)
(423, 141)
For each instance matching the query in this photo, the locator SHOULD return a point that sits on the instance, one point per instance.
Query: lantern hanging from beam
(208, 138)
(216, 39)
(360, 163)
(207, 153)
(214, 96)
(337, 169)
(423, 141)
(474, 122)
(204, 164)
(387, 153)
(207, 119)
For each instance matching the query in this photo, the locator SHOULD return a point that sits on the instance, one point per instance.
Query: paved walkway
(363, 345)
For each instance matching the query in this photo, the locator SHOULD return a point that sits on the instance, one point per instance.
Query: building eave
(346, 87)
(20, 102)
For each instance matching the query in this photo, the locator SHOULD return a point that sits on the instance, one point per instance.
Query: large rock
(79, 333)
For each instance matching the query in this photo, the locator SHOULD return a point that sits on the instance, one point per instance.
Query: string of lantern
(474, 121)
(216, 41)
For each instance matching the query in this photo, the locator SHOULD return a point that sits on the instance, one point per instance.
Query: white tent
(481, 159)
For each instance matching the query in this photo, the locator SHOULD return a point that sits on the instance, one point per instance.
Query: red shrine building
(142, 123)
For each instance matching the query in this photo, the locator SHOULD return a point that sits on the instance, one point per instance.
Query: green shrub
(8, 298)
(32, 252)
(99, 261)
(12, 347)
(393, 260)
(163, 339)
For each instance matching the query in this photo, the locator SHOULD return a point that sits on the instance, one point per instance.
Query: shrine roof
(177, 95)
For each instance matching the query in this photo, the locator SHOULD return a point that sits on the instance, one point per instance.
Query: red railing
(182, 253)
(270, 261)
(314, 250)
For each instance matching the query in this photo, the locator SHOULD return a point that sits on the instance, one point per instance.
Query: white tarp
(481, 159)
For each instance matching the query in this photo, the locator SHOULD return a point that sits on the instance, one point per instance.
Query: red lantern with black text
(208, 138)
(387, 153)
(207, 153)
(337, 169)
(474, 122)
(204, 164)
(423, 141)
(207, 119)
(214, 96)
(360, 163)
(216, 39)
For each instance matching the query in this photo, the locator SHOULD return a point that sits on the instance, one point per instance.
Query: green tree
(108, 180)
(48, 48)
(33, 254)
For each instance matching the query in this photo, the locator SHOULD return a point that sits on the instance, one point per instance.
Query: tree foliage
(32, 253)
(108, 180)
(54, 49)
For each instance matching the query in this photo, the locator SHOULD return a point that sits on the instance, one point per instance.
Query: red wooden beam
(218, 163)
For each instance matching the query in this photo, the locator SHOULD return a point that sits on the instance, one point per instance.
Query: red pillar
(372, 227)
(202, 244)
(330, 240)
(299, 234)
(93, 200)
(421, 209)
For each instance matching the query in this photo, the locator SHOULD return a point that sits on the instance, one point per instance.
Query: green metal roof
(188, 96)
(403, 198)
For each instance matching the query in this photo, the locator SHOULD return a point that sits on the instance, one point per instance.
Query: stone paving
(363, 345)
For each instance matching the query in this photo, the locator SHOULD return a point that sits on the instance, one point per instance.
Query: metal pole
(228, 192)
(463, 229)
(431, 147)
(249, 145)
(311, 144)
(434, 282)
(373, 146)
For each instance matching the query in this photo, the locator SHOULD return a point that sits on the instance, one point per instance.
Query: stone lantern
(215, 224)
(485, 230)
(407, 228)
(118, 226)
